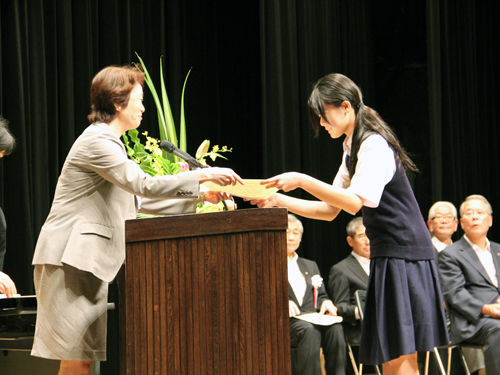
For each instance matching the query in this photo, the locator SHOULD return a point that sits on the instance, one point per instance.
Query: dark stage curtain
(301, 41)
(51, 49)
(466, 116)
(427, 67)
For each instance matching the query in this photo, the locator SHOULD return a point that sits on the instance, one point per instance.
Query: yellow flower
(203, 149)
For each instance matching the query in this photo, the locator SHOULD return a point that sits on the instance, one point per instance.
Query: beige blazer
(94, 196)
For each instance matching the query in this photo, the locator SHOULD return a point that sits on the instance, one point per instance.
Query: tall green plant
(165, 118)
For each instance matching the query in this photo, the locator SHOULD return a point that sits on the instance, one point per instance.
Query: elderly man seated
(469, 271)
(307, 294)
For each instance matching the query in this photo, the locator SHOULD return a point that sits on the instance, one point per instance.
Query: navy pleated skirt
(404, 310)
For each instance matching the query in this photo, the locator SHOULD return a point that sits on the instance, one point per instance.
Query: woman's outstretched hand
(219, 176)
(272, 201)
(286, 181)
(215, 197)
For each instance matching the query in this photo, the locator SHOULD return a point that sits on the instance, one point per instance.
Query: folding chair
(450, 347)
(360, 296)
(351, 356)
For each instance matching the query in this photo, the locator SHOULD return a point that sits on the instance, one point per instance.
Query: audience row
(468, 272)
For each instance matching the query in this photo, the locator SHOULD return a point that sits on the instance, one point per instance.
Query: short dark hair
(112, 85)
(7, 140)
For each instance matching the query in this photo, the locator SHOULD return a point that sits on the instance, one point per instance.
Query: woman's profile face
(2, 153)
(337, 120)
(131, 115)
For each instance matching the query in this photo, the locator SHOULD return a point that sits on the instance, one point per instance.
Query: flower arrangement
(151, 160)
(157, 162)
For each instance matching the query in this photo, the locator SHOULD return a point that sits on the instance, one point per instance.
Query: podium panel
(206, 294)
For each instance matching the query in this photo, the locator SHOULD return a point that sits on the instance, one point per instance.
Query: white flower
(316, 281)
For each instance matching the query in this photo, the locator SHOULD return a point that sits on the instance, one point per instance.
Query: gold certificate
(251, 190)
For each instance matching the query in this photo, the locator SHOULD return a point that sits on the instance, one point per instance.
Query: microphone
(171, 149)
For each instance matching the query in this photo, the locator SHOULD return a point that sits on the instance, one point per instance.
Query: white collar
(476, 248)
(438, 244)
(294, 259)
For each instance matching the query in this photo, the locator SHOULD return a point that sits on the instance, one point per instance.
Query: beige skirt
(71, 314)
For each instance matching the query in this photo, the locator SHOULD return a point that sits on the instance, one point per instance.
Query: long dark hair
(333, 89)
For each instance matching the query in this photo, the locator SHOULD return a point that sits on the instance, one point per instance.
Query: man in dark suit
(349, 275)
(442, 222)
(346, 277)
(307, 294)
(469, 271)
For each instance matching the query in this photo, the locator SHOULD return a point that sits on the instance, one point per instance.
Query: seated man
(307, 294)
(7, 145)
(442, 222)
(349, 275)
(469, 271)
(346, 277)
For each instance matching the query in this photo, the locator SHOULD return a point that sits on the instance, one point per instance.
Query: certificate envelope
(251, 190)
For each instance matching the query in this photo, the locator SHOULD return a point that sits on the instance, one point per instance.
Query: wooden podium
(206, 294)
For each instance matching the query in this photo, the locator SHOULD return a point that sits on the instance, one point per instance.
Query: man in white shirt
(442, 222)
(307, 294)
(469, 271)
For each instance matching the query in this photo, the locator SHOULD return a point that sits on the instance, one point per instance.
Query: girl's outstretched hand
(286, 181)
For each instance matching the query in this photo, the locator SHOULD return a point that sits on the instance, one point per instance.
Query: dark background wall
(428, 67)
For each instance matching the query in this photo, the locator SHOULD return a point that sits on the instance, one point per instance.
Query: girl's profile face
(338, 120)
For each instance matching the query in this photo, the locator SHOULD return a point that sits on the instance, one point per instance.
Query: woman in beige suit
(81, 246)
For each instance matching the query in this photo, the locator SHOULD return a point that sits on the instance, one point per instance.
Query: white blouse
(375, 168)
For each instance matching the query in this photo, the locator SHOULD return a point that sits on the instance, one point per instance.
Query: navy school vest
(396, 228)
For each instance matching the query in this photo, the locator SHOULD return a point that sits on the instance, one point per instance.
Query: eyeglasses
(448, 218)
(479, 213)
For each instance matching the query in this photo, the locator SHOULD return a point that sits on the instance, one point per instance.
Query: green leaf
(149, 83)
(170, 130)
(183, 137)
